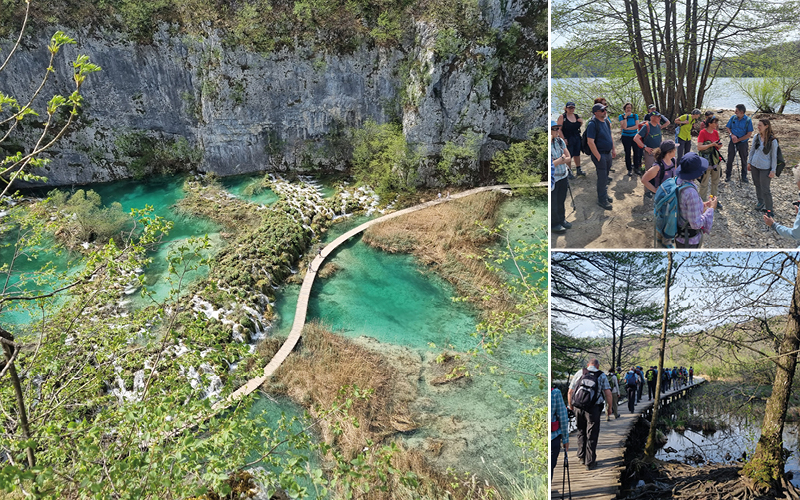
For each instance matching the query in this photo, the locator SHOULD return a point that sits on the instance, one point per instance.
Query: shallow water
(727, 445)
(395, 300)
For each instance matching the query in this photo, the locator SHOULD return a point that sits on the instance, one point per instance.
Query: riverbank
(630, 224)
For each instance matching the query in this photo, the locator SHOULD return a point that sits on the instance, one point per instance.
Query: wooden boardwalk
(308, 282)
(603, 483)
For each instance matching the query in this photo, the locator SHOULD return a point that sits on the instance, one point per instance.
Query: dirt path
(630, 224)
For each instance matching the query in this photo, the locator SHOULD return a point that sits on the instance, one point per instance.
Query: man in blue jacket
(740, 127)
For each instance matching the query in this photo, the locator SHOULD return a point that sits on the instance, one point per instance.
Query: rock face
(241, 112)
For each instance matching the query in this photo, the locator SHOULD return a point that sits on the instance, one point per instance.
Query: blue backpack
(666, 209)
(630, 378)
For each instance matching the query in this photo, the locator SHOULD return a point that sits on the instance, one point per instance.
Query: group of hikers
(593, 392)
(668, 162)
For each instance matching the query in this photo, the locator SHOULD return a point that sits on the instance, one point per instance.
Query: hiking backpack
(587, 390)
(585, 149)
(666, 209)
(630, 378)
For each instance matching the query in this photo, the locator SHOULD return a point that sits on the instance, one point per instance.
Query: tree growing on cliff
(675, 47)
(383, 159)
(14, 110)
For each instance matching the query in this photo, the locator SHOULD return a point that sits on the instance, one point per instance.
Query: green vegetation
(81, 217)
(459, 162)
(383, 159)
(147, 155)
(524, 162)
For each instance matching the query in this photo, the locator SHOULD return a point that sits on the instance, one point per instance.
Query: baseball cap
(598, 107)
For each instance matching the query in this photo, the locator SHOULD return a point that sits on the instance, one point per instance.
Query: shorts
(574, 145)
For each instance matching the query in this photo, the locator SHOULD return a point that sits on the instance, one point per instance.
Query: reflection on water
(738, 435)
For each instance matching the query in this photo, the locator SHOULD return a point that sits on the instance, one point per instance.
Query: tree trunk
(23, 415)
(766, 466)
(650, 447)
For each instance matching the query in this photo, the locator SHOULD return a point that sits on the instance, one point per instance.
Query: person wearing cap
(613, 381)
(663, 168)
(601, 143)
(587, 420)
(651, 110)
(740, 127)
(559, 183)
(650, 376)
(695, 217)
(708, 146)
(629, 123)
(686, 123)
(571, 123)
(649, 138)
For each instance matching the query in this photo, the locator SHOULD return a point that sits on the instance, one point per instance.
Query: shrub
(383, 159)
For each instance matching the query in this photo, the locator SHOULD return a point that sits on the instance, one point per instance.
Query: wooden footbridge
(308, 282)
(604, 481)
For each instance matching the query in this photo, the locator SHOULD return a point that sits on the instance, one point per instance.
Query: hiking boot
(630, 172)
(760, 206)
(606, 205)
(608, 418)
(719, 205)
(728, 178)
(591, 466)
(580, 173)
(649, 194)
(608, 181)
(570, 176)
(559, 229)
(567, 225)
(744, 180)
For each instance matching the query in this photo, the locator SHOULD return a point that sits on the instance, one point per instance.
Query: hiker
(651, 375)
(598, 134)
(740, 127)
(762, 163)
(663, 168)
(559, 427)
(571, 125)
(686, 123)
(629, 123)
(708, 145)
(639, 383)
(649, 138)
(613, 381)
(587, 392)
(695, 217)
(559, 183)
(630, 388)
(691, 375)
(788, 232)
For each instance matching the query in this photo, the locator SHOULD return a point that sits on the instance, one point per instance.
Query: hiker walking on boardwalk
(639, 383)
(788, 232)
(559, 183)
(559, 427)
(686, 123)
(630, 388)
(651, 375)
(629, 123)
(762, 164)
(613, 381)
(571, 124)
(587, 392)
(740, 127)
(663, 168)
(601, 144)
(708, 145)
(691, 375)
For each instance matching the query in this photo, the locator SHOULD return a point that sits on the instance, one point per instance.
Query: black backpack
(587, 390)
(585, 149)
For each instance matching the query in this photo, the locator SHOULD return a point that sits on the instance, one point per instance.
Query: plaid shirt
(558, 411)
(692, 210)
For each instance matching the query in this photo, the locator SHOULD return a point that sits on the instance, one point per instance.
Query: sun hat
(692, 166)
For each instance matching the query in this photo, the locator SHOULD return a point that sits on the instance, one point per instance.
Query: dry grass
(448, 237)
(326, 363)
(314, 376)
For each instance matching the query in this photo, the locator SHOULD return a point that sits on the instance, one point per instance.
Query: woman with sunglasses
(571, 124)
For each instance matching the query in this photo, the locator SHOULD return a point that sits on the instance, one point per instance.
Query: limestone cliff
(239, 111)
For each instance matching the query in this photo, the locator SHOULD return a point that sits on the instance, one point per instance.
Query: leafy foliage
(523, 162)
(383, 159)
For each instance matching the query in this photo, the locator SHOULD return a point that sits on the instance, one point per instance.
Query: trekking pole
(565, 478)
(569, 188)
